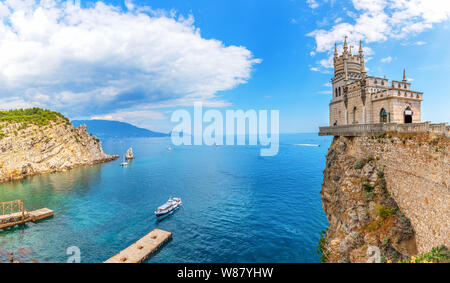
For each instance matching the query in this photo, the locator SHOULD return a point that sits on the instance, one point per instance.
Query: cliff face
(389, 194)
(58, 146)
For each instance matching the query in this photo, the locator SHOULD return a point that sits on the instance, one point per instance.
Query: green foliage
(436, 255)
(368, 187)
(380, 174)
(35, 116)
(360, 164)
(321, 249)
(384, 211)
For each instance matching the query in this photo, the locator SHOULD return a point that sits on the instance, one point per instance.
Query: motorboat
(171, 205)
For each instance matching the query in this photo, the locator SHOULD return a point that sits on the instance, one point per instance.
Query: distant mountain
(116, 129)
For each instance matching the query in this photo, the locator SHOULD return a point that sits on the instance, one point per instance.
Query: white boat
(171, 205)
(169, 148)
(124, 164)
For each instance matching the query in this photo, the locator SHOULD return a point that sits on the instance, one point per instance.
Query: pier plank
(142, 248)
(17, 218)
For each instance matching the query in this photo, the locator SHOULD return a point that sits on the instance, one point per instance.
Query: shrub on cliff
(321, 247)
(436, 255)
(36, 116)
(360, 163)
(384, 211)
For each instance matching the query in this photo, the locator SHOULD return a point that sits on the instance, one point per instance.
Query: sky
(138, 61)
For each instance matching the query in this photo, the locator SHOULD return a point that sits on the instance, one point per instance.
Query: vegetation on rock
(436, 255)
(36, 116)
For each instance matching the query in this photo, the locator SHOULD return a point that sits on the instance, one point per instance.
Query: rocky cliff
(388, 195)
(39, 141)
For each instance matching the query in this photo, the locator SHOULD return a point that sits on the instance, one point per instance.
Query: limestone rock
(31, 149)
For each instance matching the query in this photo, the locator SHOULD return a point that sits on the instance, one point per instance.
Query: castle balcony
(368, 130)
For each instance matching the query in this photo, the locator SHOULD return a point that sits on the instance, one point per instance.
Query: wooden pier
(13, 213)
(141, 249)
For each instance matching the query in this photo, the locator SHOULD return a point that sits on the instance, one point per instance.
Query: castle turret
(404, 76)
(361, 58)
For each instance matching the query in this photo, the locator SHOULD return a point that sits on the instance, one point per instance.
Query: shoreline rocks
(31, 149)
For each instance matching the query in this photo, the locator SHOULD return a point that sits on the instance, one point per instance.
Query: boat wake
(306, 144)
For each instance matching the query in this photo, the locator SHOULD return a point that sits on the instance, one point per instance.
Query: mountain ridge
(116, 129)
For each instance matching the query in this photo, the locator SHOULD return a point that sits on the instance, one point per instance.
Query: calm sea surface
(237, 205)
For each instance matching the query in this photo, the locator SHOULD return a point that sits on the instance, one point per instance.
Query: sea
(238, 206)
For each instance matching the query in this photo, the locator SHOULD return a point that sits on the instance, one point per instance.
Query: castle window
(383, 116)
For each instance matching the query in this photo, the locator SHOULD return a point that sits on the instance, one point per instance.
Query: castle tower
(348, 68)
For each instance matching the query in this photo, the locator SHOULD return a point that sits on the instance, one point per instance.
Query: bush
(321, 249)
(360, 164)
(384, 211)
(436, 255)
(368, 187)
(35, 116)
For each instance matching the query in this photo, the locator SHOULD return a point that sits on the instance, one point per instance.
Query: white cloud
(135, 116)
(379, 20)
(420, 43)
(102, 59)
(312, 4)
(387, 59)
(324, 92)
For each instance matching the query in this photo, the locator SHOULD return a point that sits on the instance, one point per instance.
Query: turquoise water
(237, 205)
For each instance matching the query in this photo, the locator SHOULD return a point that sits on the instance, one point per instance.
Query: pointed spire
(404, 75)
(363, 67)
(360, 49)
(335, 50)
(345, 45)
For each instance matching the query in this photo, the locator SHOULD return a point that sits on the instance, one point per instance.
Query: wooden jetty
(142, 248)
(13, 213)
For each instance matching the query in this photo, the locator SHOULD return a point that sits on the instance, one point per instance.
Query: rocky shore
(30, 148)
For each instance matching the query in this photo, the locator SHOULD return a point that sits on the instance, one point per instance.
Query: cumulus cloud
(380, 20)
(386, 60)
(103, 60)
(312, 4)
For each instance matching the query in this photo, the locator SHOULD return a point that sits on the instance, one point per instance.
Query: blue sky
(137, 61)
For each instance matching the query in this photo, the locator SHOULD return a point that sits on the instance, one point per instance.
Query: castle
(361, 99)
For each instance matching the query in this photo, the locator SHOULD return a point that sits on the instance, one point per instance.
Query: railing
(9, 207)
(376, 129)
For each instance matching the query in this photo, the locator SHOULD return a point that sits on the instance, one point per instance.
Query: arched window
(383, 116)
(354, 115)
